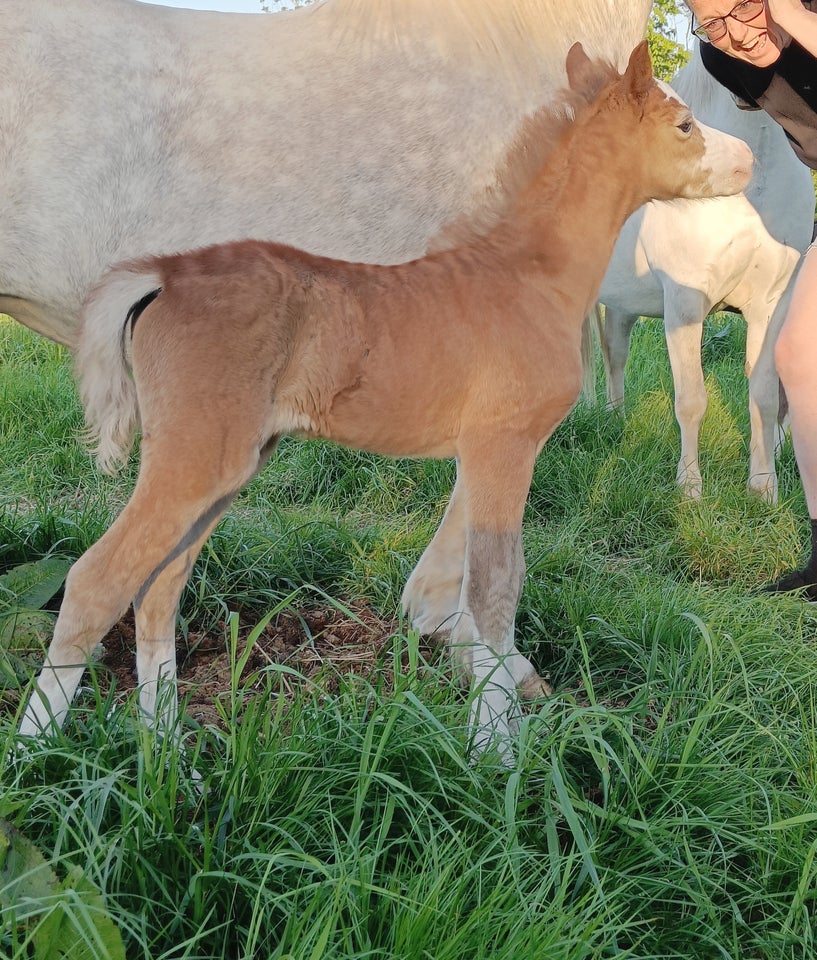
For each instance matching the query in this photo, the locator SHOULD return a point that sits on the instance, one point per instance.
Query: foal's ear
(581, 72)
(638, 75)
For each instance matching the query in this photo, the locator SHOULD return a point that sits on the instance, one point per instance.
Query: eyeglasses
(715, 29)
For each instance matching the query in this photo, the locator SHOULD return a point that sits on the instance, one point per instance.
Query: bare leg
(796, 359)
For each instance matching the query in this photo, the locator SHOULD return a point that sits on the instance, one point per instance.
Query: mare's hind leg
(179, 496)
(764, 394)
(433, 596)
(495, 482)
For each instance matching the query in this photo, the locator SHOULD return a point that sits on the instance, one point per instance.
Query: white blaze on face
(730, 160)
(727, 161)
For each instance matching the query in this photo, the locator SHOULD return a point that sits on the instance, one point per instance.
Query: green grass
(663, 803)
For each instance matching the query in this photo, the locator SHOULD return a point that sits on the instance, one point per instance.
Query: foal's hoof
(535, 687)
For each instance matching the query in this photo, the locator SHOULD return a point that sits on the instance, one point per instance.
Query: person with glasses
(765, 53)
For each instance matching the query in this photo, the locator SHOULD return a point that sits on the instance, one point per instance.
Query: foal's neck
(572, 212)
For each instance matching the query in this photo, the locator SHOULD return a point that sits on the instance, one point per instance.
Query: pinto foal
(472, 352)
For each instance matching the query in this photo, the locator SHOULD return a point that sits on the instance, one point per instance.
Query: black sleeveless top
(786, 90)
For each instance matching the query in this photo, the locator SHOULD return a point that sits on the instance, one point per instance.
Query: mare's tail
(106, 387)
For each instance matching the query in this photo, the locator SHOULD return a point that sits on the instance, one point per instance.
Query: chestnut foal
(472, 352)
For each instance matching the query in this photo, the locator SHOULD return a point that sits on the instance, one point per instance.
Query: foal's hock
(472, 352)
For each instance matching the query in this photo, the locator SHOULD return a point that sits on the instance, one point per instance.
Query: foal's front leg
(496, 479)
(434, 600)
(431, 597)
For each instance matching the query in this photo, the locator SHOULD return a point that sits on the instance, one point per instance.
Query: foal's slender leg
(433, 596)
(615, 333)
(181, 493)
(496, 478)
(684, 314)
(155, 611)
(98, 590)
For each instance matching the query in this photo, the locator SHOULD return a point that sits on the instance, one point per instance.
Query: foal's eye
(685, 127)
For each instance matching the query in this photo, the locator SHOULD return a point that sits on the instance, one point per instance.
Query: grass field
(663, 803)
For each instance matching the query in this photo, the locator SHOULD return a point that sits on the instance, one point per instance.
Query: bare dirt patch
(319, 644)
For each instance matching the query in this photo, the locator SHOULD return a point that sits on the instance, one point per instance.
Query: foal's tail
(106, 386)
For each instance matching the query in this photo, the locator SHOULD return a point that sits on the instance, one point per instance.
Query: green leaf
(75, 924)
(24, 873)
(79, 927)
(32, 585)
(22, 629)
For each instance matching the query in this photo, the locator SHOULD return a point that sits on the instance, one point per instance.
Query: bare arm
(799, 23)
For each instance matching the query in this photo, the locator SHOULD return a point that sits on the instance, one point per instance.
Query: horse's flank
(345, 349)
(366, 339)
(353, 129)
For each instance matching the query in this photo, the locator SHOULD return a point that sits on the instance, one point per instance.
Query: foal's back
(392, 359)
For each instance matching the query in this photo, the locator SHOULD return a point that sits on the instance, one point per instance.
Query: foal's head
(671, 154)
(635, 131)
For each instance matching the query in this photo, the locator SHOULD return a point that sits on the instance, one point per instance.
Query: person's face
(758, 42)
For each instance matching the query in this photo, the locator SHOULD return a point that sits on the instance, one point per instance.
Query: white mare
(350, 128)
(683, 259)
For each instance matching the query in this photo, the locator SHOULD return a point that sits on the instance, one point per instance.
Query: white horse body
(350, 128)
(683, 259)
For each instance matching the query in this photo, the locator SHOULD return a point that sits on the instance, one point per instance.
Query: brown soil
(318, 644)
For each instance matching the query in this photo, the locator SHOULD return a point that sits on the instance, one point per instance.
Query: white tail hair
(106, 386)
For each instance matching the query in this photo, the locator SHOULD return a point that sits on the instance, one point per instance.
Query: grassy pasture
(663, 804)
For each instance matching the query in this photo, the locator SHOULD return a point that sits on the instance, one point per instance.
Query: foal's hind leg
(98, 590)
(144, 557)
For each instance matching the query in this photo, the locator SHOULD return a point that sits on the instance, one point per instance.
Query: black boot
(805, 579)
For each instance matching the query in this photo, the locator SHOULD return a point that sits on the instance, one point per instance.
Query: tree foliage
(668, 56)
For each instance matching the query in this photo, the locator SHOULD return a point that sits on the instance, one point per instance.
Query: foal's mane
(524, 160)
